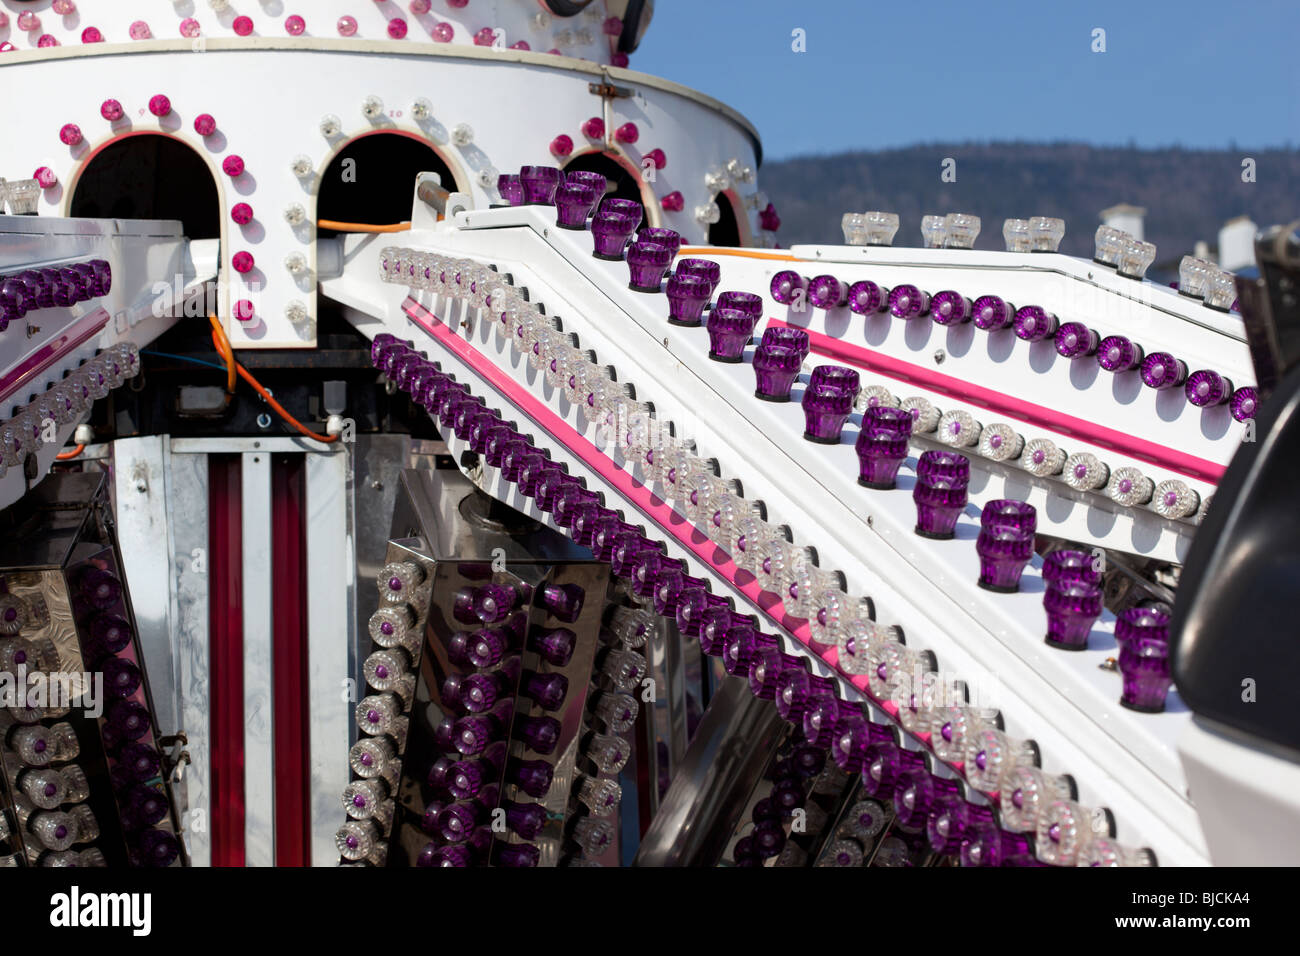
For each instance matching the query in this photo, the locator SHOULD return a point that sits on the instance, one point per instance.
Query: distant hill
(1188, 194)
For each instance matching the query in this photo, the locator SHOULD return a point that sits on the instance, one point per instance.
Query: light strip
(1015, 408)
(49, 353)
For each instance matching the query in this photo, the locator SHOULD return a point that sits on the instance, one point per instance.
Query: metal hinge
(609, 90)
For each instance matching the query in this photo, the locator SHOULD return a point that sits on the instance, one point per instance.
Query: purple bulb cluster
(540, 184)
(882, 445)
(52, 287)
(647, 262)
(574, 202)
(1005, 543)
(1143, 638)
(730, 330)
(613, 225)
(942, 478)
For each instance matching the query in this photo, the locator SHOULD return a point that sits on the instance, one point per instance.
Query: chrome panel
(724, 762)
(331, 641)
(259, 756)
(187, 505)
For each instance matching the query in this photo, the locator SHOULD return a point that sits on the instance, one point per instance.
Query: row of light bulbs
(782, 568)
(67, 401)
(1126, 254)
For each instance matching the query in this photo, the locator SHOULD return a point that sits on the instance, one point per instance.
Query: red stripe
(226, 658)
(1014, 408)
(289, 663)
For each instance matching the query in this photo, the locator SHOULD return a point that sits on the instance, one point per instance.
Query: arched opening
(625, 184)
(150, 176)
(372, 179)
(726, 231)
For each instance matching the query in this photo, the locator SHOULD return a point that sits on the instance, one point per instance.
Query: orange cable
(244, 373)
(746, 253)
(70, 453)
(362, 226)
(227, 353)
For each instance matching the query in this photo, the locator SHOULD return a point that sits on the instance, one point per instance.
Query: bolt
(263, 420)
(141, 485)
(939, 356)
(32, 330)
(377, 485)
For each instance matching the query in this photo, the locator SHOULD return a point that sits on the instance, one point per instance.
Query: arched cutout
(627, 184)
(726, 231)
(372, 179)
(149, 176)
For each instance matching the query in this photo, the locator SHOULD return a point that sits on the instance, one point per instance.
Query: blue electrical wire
(184, 358)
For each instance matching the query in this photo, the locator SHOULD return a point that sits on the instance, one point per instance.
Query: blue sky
(879, 75)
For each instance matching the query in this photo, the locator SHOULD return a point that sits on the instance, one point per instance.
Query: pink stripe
(650, 504)
(53, 350)
(1139, 448)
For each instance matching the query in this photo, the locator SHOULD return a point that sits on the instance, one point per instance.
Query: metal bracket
(609, 90)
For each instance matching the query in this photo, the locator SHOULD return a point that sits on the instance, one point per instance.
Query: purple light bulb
(1206, 388)
(1003, 552)
(511, 188)
(866, 297)
(826, 408)
(610, 232)
(1072, 606)
(1160, 370)
(775, 370)
(949, 308)
(1244, 402)
(574, 203)
(827, 292)
(647, 262)
(1118, 354)
(907, 302)
(882, 445)
(539, 184)
(729, 332)
(746, 302)
(787, 286)
(1144, 664)
(562, 601)
(533, 777)
(991, 312)
(546, 690)
(687, 297)
(525, 819)
(555, 645)
(1074, 339)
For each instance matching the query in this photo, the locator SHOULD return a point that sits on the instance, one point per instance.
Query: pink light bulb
(618, 59)
(205, 124)
(63, 7)
(420, 7)
(243, 310)
(520, 45)
(459, 4)
(160, 105)
(397, 28)
(594, 128)
(6, 46)
(92, 35)
(485, 36)
(47, 39)
(627, 133)
(242, 262)
(242, 26)
(70, 134)
(28, 21)
(111, 110)
(190, 27)
(45, 177)
(242, 213)
(294, 25)
(657, 157)
(612, 26)
(673, 202)
(347, 26)
(140, 31)
(561, 146)
(232, 165)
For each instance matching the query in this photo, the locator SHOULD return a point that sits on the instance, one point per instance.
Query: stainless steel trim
(259, 757)
(331, 642)
(723, 764)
